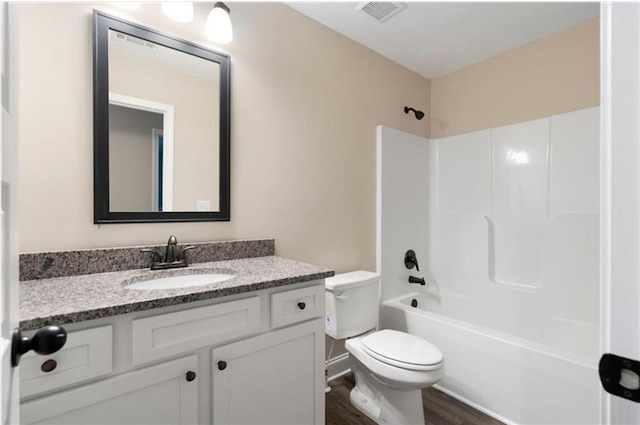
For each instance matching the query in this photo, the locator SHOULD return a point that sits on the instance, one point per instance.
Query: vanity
(235, 337)
(249, 349)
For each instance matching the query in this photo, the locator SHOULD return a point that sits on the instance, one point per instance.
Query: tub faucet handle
(410, 260)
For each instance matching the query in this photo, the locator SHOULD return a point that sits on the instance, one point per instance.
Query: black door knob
(222, 365)
(46, 341)
(302, 305)
(191, 375)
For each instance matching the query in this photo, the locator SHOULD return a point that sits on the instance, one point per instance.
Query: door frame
(167, 112)
(9, 272)
(620, 196)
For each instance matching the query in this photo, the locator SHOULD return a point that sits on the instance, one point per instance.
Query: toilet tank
(351, 303)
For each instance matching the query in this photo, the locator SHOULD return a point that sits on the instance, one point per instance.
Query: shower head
(419, 114)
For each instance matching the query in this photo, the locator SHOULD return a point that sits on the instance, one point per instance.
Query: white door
(8, 208)
(620, 204)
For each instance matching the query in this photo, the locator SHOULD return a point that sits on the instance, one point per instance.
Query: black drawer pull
(48, 365)
(191, 375)
(222, 365)
(302, 305)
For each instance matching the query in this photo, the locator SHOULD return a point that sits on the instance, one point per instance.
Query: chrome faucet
(173, 256)
(170, 252)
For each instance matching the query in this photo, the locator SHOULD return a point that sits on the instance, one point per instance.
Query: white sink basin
(184, 281)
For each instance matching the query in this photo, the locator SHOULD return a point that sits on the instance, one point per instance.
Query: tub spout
(420, 280)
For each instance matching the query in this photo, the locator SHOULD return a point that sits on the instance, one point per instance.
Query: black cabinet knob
(302, 305)
(46, 341)
(222, 365)
(48, 366)
(191, 375)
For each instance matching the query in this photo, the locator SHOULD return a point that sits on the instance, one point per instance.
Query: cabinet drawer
(160, 394)
(86, 354)
(165, 335)
(296, 305)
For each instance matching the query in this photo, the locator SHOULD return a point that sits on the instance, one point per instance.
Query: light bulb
(178, 11)
(219, 24)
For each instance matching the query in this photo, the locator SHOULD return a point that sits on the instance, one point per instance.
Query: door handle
(620, 376)
(46, 341)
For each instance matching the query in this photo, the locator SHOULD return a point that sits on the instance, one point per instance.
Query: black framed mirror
(161, 123)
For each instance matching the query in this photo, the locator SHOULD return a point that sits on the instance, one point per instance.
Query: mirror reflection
(163, 128)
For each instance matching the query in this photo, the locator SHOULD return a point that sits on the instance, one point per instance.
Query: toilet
(391, 367)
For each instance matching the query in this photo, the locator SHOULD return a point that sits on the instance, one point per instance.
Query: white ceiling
(434, 39)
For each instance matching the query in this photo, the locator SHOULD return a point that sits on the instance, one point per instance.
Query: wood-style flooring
(439, 408)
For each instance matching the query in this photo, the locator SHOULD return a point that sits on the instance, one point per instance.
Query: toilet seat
(402, 350)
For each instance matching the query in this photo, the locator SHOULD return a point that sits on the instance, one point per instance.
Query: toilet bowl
(391, 367)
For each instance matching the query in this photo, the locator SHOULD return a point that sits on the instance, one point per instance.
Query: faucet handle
(155, 253)
(410, 260)
(184, 250)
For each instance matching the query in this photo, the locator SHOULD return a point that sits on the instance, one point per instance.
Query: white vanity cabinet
(251, 358)
(163, 394)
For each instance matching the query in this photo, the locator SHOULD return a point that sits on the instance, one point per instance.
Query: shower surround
(505, 224)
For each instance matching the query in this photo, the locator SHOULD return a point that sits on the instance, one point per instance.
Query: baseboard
(338, 366)
(474, 405)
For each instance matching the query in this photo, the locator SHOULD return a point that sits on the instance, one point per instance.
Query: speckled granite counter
(78, 298)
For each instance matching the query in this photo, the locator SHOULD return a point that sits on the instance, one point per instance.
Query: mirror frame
(102, 23)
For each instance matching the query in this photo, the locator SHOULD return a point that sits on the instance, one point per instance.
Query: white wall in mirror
(157, 74)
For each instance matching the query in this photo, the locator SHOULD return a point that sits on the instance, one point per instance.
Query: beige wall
(305, 104)
(195, 104)
(558, 73)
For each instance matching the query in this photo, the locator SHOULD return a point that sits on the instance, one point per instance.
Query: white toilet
(390, 367)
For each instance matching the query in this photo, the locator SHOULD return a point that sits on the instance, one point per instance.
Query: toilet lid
(402, 350)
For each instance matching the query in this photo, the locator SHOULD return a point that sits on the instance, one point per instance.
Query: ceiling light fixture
(218, 25)
(178, 11)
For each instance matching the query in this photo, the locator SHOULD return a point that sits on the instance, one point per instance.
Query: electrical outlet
(203, 205)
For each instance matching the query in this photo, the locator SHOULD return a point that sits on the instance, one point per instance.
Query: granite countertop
(60, 300)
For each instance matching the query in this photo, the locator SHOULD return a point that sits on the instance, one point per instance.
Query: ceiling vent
(381, 10)
(135, 40)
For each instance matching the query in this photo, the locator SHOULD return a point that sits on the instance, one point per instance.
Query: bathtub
(515, 380)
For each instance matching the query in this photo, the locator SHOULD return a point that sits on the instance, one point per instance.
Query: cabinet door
(156, 395)
(275, 378)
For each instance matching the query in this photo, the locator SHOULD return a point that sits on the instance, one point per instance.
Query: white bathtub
(512, 379)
